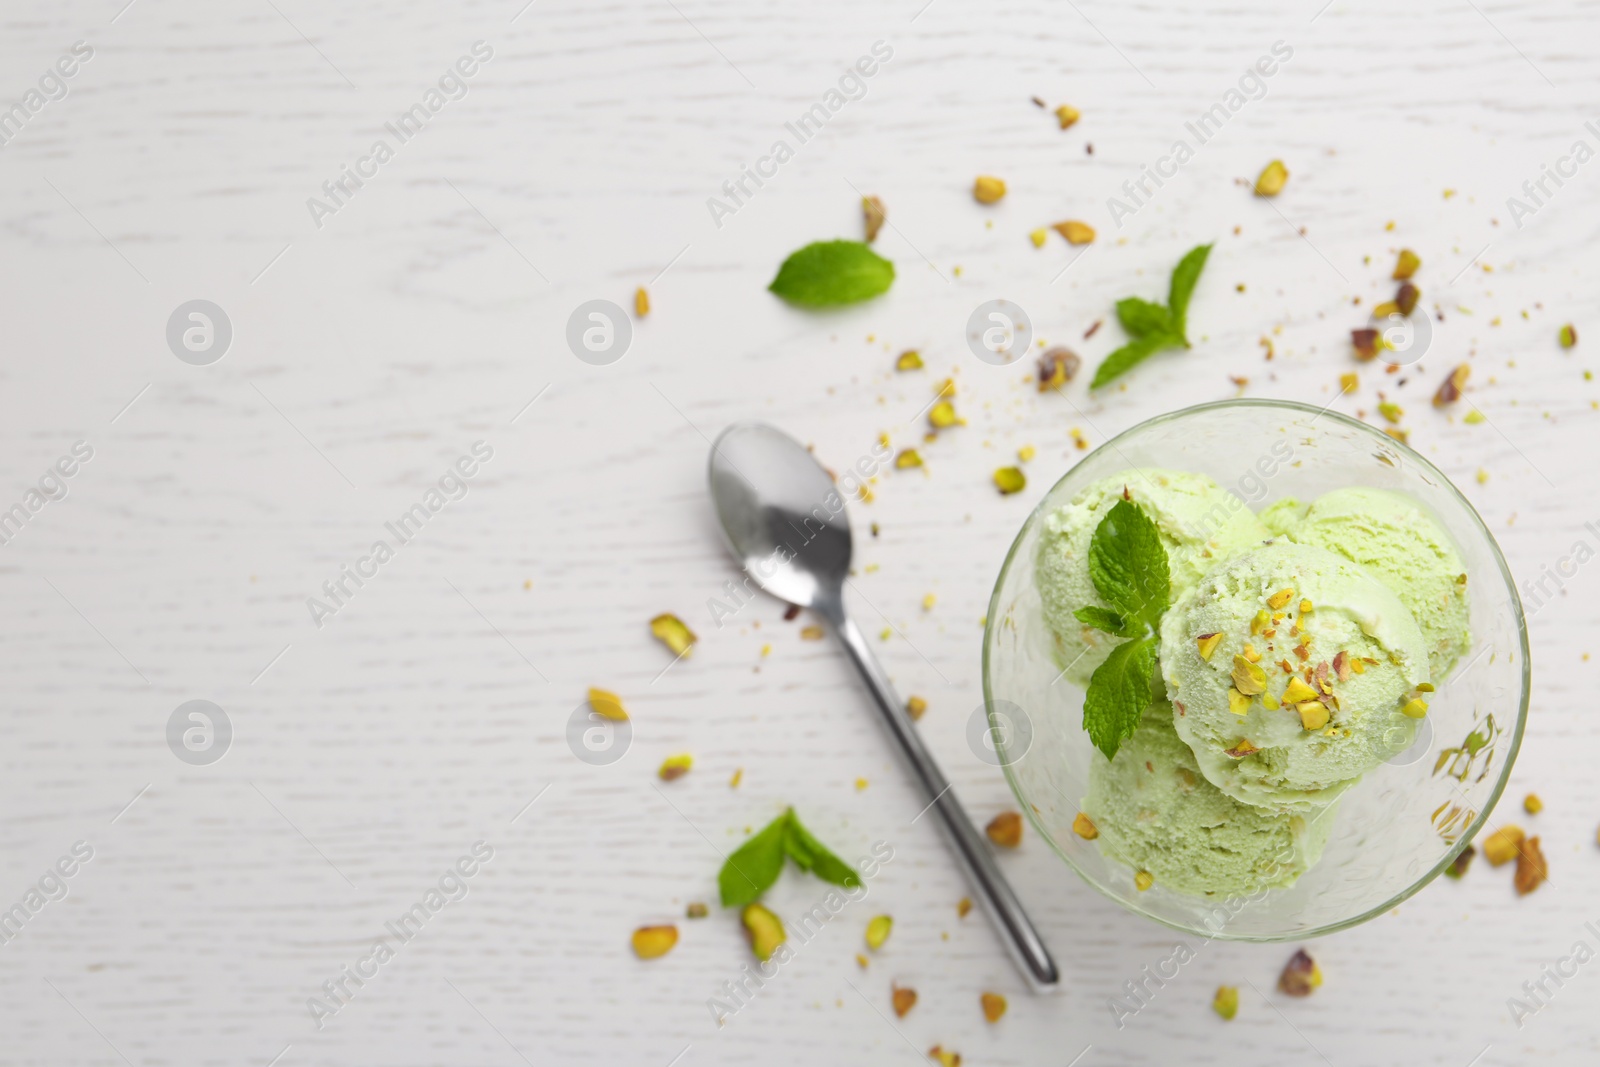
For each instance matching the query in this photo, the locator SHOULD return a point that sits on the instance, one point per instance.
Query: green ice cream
(1400, 541)
(1281, 514)
(1156, 812)
(1273, 737)
(1200, 525)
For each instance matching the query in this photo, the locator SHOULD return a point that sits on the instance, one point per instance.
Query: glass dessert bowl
(1276, 852)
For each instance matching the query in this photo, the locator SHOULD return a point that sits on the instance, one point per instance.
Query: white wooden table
(429, 309)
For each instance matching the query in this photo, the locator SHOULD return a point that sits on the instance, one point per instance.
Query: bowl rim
(1296, 408)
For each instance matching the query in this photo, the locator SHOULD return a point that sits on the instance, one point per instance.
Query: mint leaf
(1131, 355)
(755, 865)
(1184, 277)
(1152, 326)
(1109, 621)
(1141, 317)
(1119, 692)
(812, 855)
(828, 273)
(1128, 565)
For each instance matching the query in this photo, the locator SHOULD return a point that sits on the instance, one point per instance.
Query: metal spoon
(785, 521)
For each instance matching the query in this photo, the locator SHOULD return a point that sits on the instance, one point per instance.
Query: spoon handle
(1027, 949)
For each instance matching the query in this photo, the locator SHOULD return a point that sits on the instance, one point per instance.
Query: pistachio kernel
(1084, 827)
(1300, 975)
(1143, 880)
(670, 631)
(1272, 179)
(1076, 232)
(653, 942)
(988, 189)
(1208, 644)
(1501, 846)
(1005, 829)
(878, 931)
(1010, 480)
(1248, 678)
(1280, 598)
(872, 216)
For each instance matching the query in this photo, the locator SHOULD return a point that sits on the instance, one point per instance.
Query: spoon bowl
(781, 515)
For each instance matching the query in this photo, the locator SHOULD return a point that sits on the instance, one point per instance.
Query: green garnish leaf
(828, 273)
(1140, 317)
(1109, 621)
(1129, 568)
(1153, 327)
(1184, 277)
(756, 864)
(1119, 692)
(1128, 564)
(812, 855)
(1130, 356)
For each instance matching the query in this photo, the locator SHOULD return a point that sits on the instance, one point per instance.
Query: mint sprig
(1128, 566)
(756, 864)
(827, 273)
(1154, 327)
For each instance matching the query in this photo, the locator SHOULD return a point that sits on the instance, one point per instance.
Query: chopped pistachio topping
(1248, 678)
(1208, 644)
(1313, 714)
(1297, 691)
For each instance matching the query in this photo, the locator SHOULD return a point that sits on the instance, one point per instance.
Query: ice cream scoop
(1292, 671)
(1156, 812)
(1395, 537)
(1200, 525)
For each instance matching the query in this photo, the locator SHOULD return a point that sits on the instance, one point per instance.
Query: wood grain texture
(371, 352)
